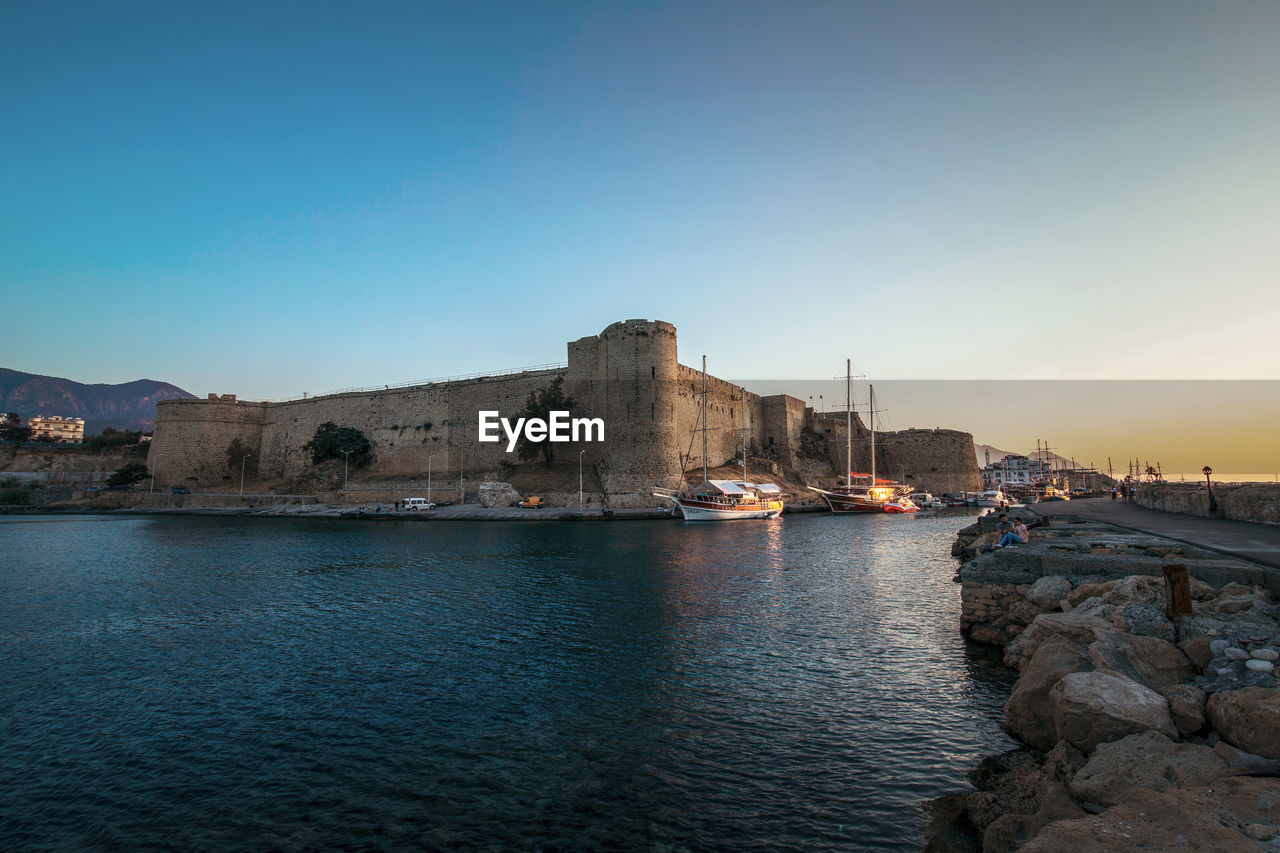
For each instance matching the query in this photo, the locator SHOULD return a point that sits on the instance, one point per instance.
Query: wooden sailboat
(863, 492)
(726, 500)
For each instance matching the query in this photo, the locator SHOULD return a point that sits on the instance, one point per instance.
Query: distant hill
(997, 454)
(130, 405)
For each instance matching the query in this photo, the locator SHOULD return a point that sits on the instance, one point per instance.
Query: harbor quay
(1146, 702)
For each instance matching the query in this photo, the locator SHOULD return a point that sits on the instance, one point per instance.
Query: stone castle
(628, 375)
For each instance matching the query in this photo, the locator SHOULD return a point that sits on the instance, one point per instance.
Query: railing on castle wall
(439, 380)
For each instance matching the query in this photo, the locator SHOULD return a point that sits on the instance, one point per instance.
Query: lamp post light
(243, 460)
(1208, 484)
(346, 461)
(580, 452)
(462, 462)
(429, 458)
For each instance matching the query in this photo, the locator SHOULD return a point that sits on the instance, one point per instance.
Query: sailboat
(726, 500)
(864, 492)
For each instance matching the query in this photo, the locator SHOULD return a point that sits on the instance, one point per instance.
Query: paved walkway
(1259, 543)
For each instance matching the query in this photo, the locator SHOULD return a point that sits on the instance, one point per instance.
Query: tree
(111, 437)
(128, 475)
(12, 428)
(541, 404)
(331, 440)
(241, 458)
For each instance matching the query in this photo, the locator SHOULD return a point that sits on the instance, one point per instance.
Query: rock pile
(1140, 733)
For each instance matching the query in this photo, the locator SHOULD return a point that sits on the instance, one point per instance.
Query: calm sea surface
(253, 684)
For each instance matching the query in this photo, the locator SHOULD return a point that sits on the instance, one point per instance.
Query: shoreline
(1138, 730)
(341, 512)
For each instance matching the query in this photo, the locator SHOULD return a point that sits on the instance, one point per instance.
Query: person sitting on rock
(1018, 535)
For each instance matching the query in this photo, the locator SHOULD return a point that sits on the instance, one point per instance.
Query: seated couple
(1011, 534)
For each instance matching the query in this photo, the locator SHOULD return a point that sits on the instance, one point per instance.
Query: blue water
(254, 684)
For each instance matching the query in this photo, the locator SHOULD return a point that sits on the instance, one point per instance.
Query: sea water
(196, 683)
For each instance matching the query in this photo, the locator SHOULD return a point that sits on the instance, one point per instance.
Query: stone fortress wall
(935, 460)
(628, 375)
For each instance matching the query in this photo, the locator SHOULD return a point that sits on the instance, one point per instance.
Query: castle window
(653, 372)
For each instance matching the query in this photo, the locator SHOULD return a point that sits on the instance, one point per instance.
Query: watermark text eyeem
(559, 428)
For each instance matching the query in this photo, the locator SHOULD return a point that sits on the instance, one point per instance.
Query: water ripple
(202, 684)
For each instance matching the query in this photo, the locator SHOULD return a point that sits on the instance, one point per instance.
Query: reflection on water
(215, 684)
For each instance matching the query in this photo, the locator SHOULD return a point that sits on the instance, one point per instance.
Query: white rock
(1265, 654)
(1260, 665)
(1236, 654)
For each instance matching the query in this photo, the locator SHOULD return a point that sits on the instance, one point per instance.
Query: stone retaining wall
(1246, 502)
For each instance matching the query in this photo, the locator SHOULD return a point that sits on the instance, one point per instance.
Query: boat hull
(699, 511)
(849, 504)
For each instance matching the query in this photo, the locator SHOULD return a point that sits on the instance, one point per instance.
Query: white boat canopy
(727, 487)
(768, 489)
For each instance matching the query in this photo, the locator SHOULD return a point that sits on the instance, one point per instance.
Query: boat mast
(704, 422)
(848, 422)
(872, 389)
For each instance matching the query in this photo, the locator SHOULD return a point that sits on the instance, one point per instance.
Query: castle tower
(196, 439)
(627, 375)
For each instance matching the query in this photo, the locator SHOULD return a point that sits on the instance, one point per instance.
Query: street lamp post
(346, 461)
(1208, 484)
(462, 461)
(243, 460)
(580, 452)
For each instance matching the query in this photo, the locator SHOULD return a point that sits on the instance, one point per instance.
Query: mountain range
(129, 405)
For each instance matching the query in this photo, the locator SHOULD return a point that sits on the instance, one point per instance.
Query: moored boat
(726, 500)
(864, 492)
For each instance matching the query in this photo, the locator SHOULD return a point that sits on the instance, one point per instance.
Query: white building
(1015, 471)
(56, 428)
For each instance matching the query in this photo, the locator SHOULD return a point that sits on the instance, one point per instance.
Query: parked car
(179, 490)
(94, 489)
(532, 502)
(415, 504)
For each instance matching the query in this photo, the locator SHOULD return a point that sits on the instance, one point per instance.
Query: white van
(414, 504)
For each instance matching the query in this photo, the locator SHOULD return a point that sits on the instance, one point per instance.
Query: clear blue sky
(271, 198)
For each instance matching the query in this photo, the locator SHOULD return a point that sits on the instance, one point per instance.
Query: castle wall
(396, 424)
(934, 460)
(192, 436)
(629, 375)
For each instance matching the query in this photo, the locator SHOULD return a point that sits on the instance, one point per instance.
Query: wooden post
(1177, 591)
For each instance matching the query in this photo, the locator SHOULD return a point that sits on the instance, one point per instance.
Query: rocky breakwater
(1140, 731)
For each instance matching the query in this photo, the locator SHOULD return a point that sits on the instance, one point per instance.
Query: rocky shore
(1140, 731)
